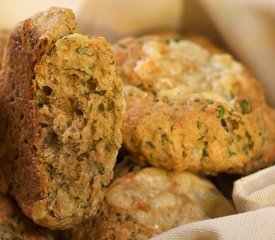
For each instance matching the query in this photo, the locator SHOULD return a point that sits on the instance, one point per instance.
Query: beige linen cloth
(255, 196)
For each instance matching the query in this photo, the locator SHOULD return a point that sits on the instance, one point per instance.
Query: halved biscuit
(63, 105)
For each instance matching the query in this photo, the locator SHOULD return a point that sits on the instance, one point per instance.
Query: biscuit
(190, 106)
(63, 105)
(149, 201)
(13, 225)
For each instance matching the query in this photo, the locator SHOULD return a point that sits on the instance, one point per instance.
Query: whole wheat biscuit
(190, 106)
(63, 105)
(146, 202)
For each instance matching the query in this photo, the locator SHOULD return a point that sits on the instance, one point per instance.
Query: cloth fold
(255, 191)
(255, 196)
(254, 225)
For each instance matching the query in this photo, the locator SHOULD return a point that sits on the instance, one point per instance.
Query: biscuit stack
(191, 111)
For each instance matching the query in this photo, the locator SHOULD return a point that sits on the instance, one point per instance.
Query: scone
(15, 226)
(192, 107)
(62, 104)
(149, 201)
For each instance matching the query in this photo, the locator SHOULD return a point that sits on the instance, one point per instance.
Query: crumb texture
(63, 105)
(79, 103)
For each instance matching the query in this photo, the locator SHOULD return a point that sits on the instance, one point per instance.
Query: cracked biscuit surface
(63, 106)
(190, 106)
(142, 203)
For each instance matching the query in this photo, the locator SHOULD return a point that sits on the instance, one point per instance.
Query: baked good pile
(176, 107)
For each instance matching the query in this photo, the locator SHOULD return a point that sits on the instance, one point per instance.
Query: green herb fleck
(224, 125)
(101, 169)
(101, 92)
(210, 101)
(248, 136)
(149, 143)
(245, 149)
(165, 99)
(231, 154)
(64, 186)
(245, 107)
(221, 111)
(122, 45)
(177, 40)
(52, 197)
(204, 153)
(250, 142)
(128, 217)
(82, 50)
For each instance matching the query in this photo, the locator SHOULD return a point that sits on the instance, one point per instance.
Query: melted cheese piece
(182, 67)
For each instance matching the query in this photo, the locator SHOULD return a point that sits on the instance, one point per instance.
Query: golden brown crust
(28, 41)
(191, 106)
(146, 202)
(13, 225)
(3, 41)
(63, 104)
